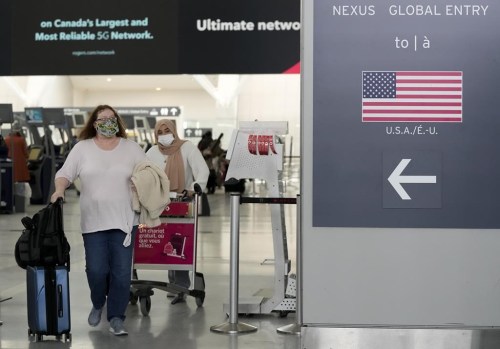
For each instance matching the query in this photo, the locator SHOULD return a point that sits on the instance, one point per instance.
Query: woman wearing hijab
(184, 166)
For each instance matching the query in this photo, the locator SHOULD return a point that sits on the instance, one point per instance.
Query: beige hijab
(175, 164)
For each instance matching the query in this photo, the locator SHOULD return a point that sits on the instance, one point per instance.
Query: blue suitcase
(48, 302)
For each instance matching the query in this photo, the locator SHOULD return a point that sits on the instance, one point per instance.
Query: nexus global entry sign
(405, 123)
(412, 10)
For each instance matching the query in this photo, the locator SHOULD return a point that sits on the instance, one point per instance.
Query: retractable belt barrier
(233, 326)
(255, 200)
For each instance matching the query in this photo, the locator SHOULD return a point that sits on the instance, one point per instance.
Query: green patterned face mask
(107, 127)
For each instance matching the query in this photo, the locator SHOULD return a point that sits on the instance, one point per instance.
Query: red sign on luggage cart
(170, 243)
(177, 209)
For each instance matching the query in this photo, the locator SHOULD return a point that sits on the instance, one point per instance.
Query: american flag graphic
(412, 96)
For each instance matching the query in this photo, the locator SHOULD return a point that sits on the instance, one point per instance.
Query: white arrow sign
(396, 179)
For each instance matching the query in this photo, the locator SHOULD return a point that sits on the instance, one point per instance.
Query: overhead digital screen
(55, 37)
(54, 116)
(92, 37)
(128, 121)
(139, 123)
(6, 115)
(34, 115)
(78, 120)
(258, 36)
(151, 122)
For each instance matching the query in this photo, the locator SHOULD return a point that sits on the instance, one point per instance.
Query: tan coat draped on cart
(151, 194)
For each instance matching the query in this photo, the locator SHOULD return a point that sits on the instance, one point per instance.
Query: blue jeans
(108, 267)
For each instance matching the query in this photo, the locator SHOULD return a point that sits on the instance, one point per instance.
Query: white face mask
(166, 140)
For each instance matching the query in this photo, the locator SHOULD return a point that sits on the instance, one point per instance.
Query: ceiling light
(108, 79)
(158, 89)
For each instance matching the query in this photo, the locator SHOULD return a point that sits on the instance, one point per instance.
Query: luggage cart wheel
(67, 337)
(145, 305)
(200, 300)
(133, 298)
(38, 338)
(283, 313)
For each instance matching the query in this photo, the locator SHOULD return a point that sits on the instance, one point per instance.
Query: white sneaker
(116, 327)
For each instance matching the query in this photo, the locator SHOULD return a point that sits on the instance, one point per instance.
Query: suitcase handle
(60, 312)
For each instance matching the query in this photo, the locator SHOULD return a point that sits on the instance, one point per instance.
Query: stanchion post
(296, 327)
(233, 326)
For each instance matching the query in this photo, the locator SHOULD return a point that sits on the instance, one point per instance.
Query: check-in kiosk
(143, 132)
(138, 128)
(39, 165)
(128, 120)
(79, 119)
(43, 159)
(55, 120)
(151, 122)
(128, 123)
(6, 167)
(75, 122)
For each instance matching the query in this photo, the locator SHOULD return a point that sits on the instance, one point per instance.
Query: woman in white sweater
(104, 161)
(184, 166)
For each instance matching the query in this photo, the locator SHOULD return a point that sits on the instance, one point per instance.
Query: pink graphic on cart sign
(168, 249)
(412, 96)
(170, 243)
(176, 246)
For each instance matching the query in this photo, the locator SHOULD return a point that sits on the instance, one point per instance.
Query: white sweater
(105, 194)
(195, 167)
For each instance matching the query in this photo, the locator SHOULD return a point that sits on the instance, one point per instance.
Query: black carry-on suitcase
(48, 302)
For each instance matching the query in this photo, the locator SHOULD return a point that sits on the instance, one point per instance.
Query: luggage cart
(169, 246)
